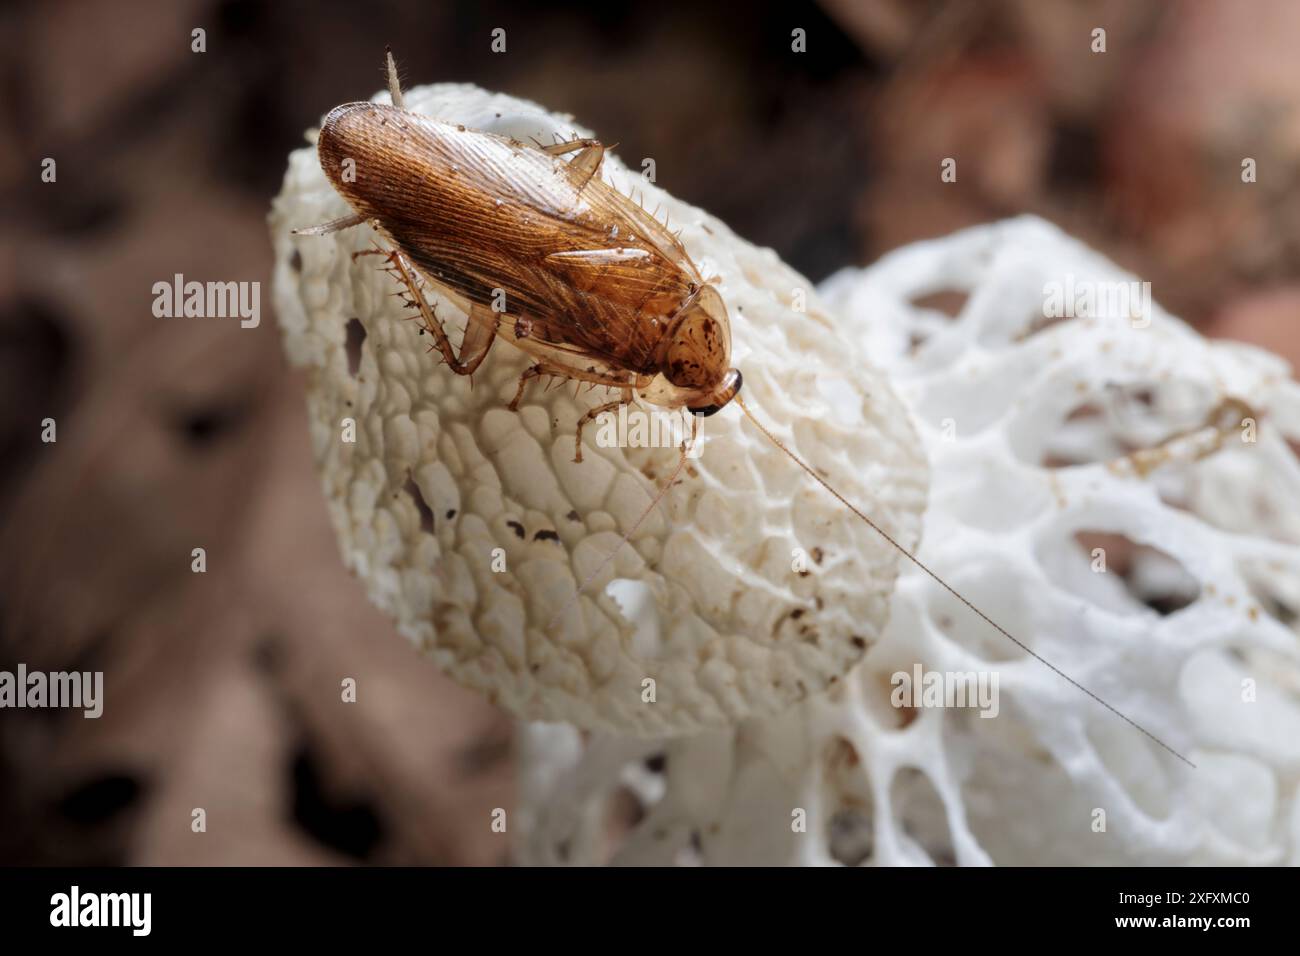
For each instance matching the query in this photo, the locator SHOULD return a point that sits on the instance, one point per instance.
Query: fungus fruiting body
(692, 623)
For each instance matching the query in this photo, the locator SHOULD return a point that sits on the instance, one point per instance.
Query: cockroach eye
(731, 388)
(704, 411)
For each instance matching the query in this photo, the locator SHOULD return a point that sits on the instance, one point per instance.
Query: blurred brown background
(222, 689)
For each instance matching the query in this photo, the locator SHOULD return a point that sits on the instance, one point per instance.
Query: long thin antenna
(944, 584)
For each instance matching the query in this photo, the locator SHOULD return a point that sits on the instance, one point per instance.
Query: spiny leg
(595, 378)
(543, 367)
(570, 146)
(591, 153)
(530, 373)
(475, 343)
(394, 85)
(594, 413)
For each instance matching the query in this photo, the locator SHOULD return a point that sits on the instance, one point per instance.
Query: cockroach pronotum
(595, 289)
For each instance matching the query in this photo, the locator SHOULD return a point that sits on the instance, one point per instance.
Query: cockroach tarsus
(596, 290)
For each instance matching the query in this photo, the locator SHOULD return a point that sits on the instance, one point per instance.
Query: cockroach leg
(479, 329)
(532, 372)
(585, 165)
(334, 225)
(543, 367)
(571, 146)
(591, 153)
(394, 84)
(480, 333)
(592, 414)
(594, 378)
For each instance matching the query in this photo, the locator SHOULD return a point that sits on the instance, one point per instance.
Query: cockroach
(594, 289)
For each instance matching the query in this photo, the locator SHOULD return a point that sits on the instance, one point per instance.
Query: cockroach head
(695, 357)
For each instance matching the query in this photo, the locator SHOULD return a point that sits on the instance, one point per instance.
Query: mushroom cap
(747, 590)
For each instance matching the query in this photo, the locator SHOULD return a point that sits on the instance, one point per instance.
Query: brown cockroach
(595, 289)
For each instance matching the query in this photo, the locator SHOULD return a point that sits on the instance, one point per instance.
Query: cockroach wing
(499, 223)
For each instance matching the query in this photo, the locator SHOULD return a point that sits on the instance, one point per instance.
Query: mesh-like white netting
(1118, 493)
